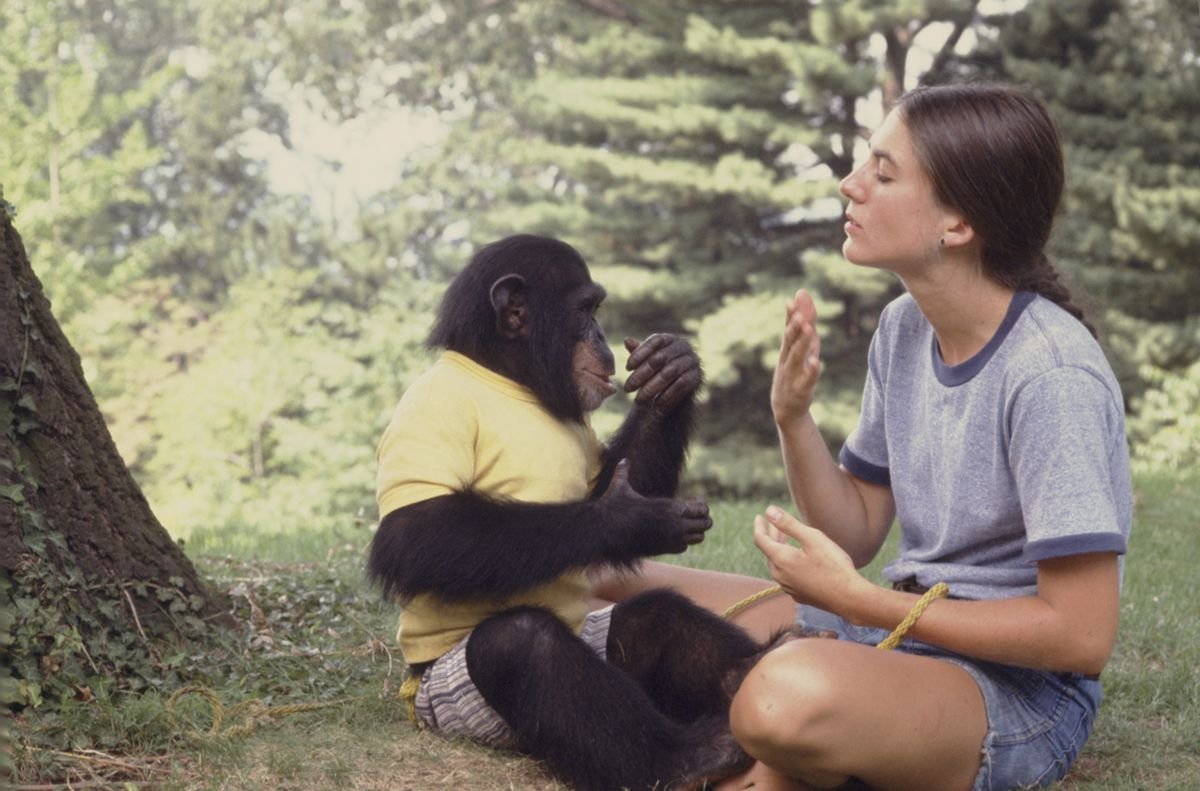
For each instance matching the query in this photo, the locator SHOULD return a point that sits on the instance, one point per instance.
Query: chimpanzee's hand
(654, 525)
(665, 371)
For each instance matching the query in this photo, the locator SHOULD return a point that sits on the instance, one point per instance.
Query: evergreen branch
(960, 26)
(610, 8)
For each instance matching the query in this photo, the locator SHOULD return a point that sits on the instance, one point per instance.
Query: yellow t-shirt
(461, 426)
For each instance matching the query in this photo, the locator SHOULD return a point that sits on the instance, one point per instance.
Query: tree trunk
(94, 585)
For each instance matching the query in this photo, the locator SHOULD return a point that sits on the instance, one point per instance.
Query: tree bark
(76, 534)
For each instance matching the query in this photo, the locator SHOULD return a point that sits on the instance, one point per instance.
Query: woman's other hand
(814, 570)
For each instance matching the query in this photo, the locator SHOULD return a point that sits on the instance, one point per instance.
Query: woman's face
(893, 220)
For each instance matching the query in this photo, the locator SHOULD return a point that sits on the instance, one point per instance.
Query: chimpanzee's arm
(666, 375)
(654, 444)
(463, 545)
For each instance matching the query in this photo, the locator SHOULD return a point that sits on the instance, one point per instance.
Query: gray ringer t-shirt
(1014, 456)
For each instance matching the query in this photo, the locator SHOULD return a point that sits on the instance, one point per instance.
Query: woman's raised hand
(799, 363)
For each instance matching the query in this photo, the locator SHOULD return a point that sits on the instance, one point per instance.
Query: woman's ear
(956, 233)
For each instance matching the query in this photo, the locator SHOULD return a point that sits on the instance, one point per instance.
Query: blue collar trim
(955, 375)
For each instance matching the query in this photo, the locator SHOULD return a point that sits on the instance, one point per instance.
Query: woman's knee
(788, 702)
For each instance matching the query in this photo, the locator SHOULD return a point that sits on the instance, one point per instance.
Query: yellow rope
(255, 712)
(737, 607)
(408, 694)
(893, 639)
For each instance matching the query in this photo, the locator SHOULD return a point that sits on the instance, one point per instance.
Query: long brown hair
(993, 154)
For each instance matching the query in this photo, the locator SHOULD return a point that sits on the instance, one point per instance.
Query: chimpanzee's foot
(797, 631)
(714, 756)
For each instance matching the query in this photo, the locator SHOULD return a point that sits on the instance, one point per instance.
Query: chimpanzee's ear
(512, 310)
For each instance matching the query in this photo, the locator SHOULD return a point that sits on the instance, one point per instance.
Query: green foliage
(1166, 426)
(72, 154)
(249, 426)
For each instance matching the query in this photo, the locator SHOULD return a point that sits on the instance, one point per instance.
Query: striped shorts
(449, 703)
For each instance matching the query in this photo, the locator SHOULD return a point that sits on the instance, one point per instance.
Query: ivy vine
(66, 633)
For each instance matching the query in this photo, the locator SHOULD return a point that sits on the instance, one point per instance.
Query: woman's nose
(851, 186)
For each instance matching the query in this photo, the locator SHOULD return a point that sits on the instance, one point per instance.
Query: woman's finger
(804, 304)
(786, 524)
(769, 541)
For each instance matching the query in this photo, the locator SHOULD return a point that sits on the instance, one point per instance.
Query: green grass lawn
(314, 633)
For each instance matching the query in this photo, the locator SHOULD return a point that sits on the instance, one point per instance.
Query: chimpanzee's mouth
(605, 379)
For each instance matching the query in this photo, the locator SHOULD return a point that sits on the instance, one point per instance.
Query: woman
(992, 426)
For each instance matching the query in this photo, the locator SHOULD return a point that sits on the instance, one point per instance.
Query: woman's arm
(852, 512)
(1070, 625)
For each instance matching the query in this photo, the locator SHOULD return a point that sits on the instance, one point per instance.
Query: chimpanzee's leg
(689, 660)
(591, 723)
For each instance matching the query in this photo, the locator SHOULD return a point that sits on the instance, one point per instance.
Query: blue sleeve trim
(1076, 545)
(871, 473)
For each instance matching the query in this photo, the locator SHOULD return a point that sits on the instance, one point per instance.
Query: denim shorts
(1037, 721)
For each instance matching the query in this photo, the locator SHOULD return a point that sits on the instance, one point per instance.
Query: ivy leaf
(25, 425)
(10, 691)
(13, 493)
(33, 370)
(30, 692)
(26, 607)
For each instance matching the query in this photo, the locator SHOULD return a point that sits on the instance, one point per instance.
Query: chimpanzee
(496, 498)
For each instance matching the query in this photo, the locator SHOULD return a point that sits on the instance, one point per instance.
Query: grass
(315, 633)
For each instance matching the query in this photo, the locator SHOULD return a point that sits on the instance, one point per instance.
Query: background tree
(95, 587)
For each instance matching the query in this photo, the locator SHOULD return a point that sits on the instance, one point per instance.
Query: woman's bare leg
(713, 590)
(825, 710)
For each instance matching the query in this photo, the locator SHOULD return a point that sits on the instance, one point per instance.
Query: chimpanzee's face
(592, 364)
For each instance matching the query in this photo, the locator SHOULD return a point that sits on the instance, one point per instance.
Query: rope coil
(255, 712)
